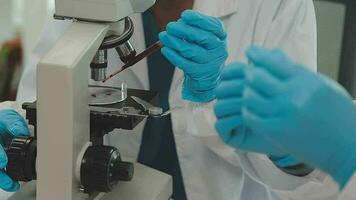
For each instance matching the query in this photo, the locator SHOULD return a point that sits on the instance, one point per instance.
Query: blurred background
(21, 22)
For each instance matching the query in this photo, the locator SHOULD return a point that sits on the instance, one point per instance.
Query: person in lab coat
(207, 168)
(301, 112)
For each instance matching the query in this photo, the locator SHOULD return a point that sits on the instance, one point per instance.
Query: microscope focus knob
(124, 171)
(22, 155)
(102, 169)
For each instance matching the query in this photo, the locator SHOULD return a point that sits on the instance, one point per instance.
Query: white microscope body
(63, 114)
(100, 10)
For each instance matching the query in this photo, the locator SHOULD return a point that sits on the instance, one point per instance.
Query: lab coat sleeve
(293, 29)
(349, 192)
(51, 32)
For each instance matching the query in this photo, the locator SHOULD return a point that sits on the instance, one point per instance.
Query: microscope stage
(126, 114)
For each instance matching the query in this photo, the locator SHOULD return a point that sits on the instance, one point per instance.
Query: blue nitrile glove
(228, 110)
(11, 125)
(197, 45)
(304, 113)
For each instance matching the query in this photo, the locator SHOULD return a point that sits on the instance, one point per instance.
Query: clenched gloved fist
(197, 45)
(304, 113)
(230, 125)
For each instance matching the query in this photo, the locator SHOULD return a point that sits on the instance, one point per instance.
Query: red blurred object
(10, 68)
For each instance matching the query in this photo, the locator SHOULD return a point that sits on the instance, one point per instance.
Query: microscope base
(147, 184)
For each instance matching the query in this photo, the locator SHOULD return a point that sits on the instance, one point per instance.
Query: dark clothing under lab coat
(158, 149)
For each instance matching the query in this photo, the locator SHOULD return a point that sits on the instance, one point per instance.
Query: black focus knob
(22, 155)
(102, 169)
(124, 171)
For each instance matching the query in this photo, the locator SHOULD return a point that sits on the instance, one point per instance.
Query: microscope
(67, 159)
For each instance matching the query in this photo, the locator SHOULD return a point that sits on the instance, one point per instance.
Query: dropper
(149, 51)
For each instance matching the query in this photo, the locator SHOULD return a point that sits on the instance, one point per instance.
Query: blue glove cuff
(284, 161)
(199, 91)
(198, 97)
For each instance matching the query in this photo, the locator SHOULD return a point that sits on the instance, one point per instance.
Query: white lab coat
(211, 170)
